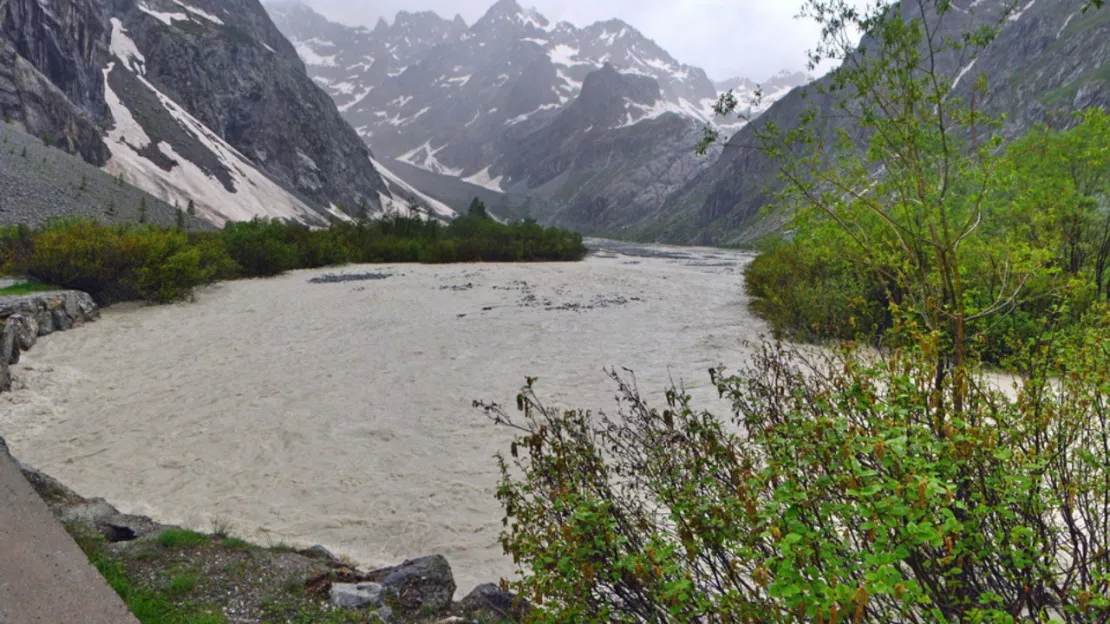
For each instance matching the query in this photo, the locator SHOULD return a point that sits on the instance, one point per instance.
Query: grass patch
(184, 582)
(148, 605)
(181, 538)
(234, 543)
(281, 547)
(302, 612)
(26, 288)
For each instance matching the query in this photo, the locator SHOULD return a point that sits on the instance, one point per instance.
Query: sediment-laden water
(340, 412)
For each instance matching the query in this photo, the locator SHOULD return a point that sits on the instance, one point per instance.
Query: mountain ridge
(474, 104)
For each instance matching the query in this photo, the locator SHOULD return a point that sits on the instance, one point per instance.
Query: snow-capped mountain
(197, 101)
(470, 101)
(426, 89)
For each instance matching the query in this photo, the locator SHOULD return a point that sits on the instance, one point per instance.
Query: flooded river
(340, 413)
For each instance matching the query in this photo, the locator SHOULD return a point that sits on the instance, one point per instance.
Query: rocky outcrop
(201, 102)
(494, 603)
(24, 319)
(600, 168)
(236, 74)
(50, 81)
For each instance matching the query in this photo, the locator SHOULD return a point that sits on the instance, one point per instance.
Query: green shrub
(805, 294)
(119, 263)
(16, 247)
(261, 247)
(163, 264)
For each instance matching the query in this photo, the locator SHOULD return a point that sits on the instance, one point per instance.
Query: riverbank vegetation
(145, 262)
(1040, 249)
(886, 481)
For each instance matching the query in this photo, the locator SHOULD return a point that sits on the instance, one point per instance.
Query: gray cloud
(750, 38)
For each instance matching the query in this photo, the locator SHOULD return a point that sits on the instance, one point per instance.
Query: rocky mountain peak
(509, 14)
(611, 99)
(503, 8)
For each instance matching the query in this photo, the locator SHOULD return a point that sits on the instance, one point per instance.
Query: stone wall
(25, 318)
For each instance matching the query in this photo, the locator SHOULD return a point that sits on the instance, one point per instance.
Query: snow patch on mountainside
(483, 179)
(399, 187)
(254, 194)
(199, 13)
(186, 181)
(123, 48)
(166, 18)
(310, 57)
(425, 158)
(1016, 15)
(564, 54)
(526, 116)
(358, 99)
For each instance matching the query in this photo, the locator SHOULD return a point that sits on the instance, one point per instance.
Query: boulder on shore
(418, 585)
(494, 603)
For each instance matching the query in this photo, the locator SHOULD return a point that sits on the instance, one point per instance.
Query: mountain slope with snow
(200, 101)
(475, 102)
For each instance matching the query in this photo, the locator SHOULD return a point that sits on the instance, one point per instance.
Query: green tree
(477, 209)
(143, 210)
(180, 218)
(191, 209)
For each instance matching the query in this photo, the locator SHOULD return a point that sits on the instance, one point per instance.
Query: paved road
(44, 576)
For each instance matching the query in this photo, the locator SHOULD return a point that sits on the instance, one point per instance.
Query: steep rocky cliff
(202, 101)
(50, 82)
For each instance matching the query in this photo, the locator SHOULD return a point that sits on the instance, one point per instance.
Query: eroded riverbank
(340, 413)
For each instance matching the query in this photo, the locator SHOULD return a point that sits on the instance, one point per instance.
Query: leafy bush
(843, 487)
(808, 295)
(118, 263)
(16, 246)
(261, 247)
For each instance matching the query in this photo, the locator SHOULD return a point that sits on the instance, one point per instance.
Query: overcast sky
(727, 38)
